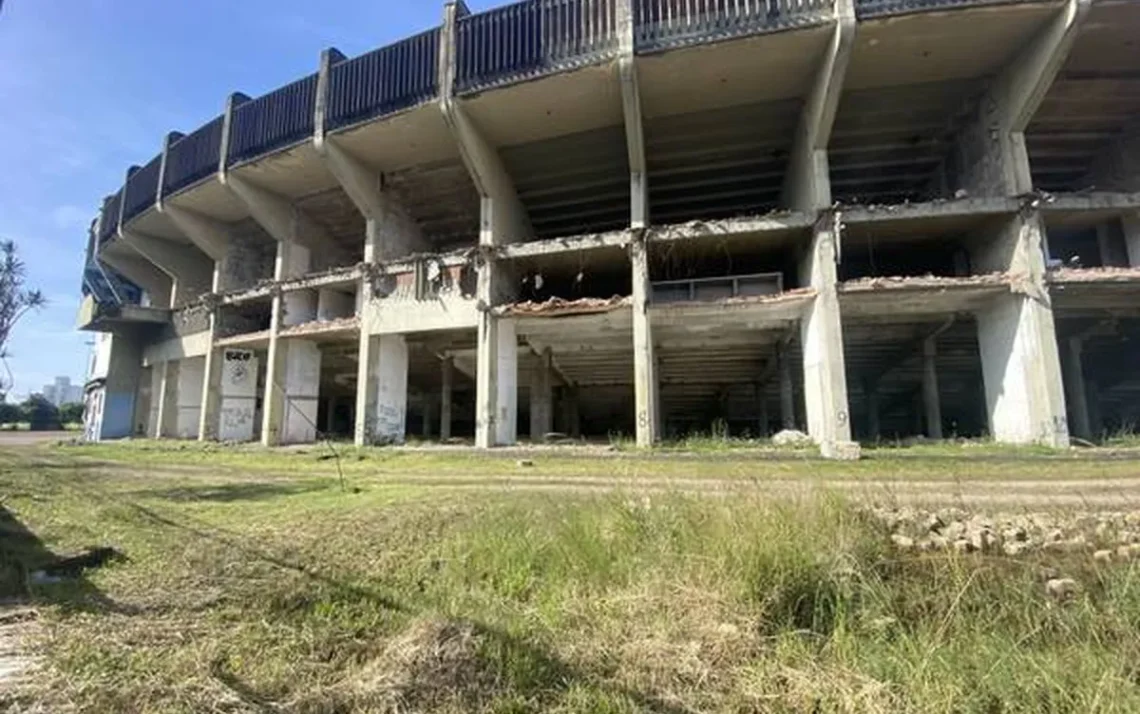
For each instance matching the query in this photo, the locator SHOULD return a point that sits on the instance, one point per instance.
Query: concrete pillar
(293, 367)
(1075, 392)
(542, 397)
(761, 410)
(330, 414)
(166, 417)
(821, 337)
(391, 378)
(787, 393)
(1096, 418)
(447, 370)
(931, 402)
(428, 415)
(1017, 341)
(571, 415)
(647, 408)
(382, 390)
(872, 400)
(191, 373)
(631, 112)
(1130, 224)
(235, 394)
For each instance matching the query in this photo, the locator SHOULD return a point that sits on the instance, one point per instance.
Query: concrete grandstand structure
(860, 217)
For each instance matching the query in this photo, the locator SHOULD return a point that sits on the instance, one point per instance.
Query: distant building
(63, 392)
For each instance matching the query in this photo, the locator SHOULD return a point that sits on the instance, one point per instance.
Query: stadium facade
(861, 218)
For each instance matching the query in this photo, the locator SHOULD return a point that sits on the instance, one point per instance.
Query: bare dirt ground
(31, 438)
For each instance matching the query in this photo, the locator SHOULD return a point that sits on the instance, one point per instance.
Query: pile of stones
(1106, 536)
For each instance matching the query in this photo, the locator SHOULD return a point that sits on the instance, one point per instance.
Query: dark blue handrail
(141, 189)
(384, 81)
(193, 157)
(109, 225)
(532, 38)
(273, 121)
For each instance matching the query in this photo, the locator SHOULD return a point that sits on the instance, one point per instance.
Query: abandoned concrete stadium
(863, 218)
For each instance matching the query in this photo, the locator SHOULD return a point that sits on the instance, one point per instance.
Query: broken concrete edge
(560, 307)
(924, 282)
(320, 327)
(1093, 275)
(244, 339)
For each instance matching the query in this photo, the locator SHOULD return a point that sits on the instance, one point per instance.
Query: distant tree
(71, 413)
(15, 301)
(40, 414)
(10, 413)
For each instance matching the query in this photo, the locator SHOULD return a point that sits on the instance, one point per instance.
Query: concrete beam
(209, 235)
(990, 157)
(280, 218)
(142, 272)
(807, 184)
(191, 272)
(390, 233)
(647, 408)
(502, 216)
(631, 111)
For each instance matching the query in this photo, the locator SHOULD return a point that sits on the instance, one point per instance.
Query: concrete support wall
(646, 389)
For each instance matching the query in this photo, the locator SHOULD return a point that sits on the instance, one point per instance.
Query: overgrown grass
(249, 593)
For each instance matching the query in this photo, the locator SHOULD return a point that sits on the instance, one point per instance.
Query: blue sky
(88, 87)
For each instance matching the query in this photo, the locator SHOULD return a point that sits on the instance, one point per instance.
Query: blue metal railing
(273, 121)
(664, 24)
(384, 81)
(141, 189)
(193, 157)
(109, 225)
(531, 38)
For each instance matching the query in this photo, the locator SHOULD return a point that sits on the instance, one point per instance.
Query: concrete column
(787, 393)
(428, 415)
(1017, 341)
(1075, 392)
(821, 337)
(236, 395)
(119, 360)
(645, 385)
(365, 413)
(167, 415)
(1096, 419)
(496, 379)
(570, 411)
(447, 373)
(330, 414)
(542, 397)
(761, 410)
(872, 400)
(293, 366)
(931, 402)
(191, 373)
(631, 111)
(391, 379)
(1130, 224)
